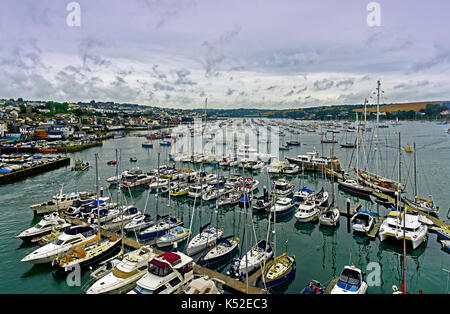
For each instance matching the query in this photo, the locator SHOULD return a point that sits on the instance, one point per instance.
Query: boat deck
(331, 285)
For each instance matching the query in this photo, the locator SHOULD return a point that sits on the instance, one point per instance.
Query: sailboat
(374, 180)
(401, 225)
(351, 185)
(425, 205)
(283, 267)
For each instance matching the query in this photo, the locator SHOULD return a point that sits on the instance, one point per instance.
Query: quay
(26, 172)
(231, 283)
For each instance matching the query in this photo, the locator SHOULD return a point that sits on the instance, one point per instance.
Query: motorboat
(204, 285)
(255, 165)
(124, 276)
(401, 225)
(147, 144)
(174, 235)
(261, 204)
(314, 287)
(207, 237)
(307, 211)
(139, 222)
(136, 180)
(80, 165)
(158, 229)
(351, 281)
(282, 206)
(44, 226)
(283, 187)
(158, 184)
(225, 247)
(169, 272)
(276, 167)
(74, 237)
(179, 190)
(362, 222)
(329, 217)
(254, 259)
(291, 169)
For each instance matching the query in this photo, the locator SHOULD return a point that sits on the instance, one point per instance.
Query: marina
(328, 247)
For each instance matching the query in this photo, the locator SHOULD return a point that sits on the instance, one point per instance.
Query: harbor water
(321, 252)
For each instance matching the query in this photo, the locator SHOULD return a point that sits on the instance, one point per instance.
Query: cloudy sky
(252, 53)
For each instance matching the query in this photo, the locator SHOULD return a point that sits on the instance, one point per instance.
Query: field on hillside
(416, 106)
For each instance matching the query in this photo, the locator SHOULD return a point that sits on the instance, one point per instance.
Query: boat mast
(415, 173)
(404, 214)
(96, 186)
(357, 146)
(378, 121)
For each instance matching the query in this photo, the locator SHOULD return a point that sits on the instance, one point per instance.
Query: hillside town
(47, 120)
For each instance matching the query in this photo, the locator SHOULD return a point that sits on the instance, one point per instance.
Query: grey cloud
(323, 84)
(159, 86)
(345, 84)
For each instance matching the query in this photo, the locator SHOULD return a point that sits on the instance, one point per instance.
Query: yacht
(225, 247)
(283, 187)
(135, 180)
(90, 255)
(352, 186)
(73, 237)
(174, 235)
(321, 197)
(282, 269)
(196, 191)
(44, 226)
(302, 195)
(307, 211)
(397, 225)
(253, 260)
(169, 272)
(207, 237)
(291, 169)
(282, 206)
(163, 224)
(123, 277)
(158, 184)
(139, 222)
(276, 167)
(229, 198)
(351, 281)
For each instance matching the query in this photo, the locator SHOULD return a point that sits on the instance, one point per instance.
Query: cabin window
(174, 282)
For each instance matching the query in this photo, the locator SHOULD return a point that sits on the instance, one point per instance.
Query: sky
(267, 54)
